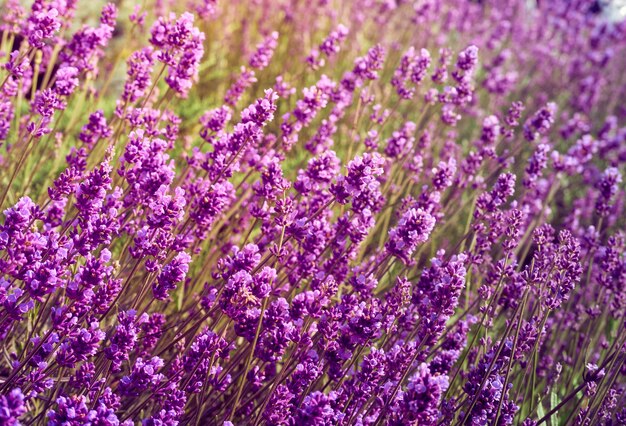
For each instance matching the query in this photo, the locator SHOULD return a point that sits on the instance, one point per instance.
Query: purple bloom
(12, 407)
(315, 98)
(144, 375)
(71, 411)
(245, 79)
(420, 401)
(41, 26)
(138, 69)
(124, 339)
(367, 67)
(443, 174)
(413, 229)
(319, 173)
(46, 102)
(197, 361)
(95, 130)
(181, 47)
(361, 184)
(608, 186)
(172, 274)
(401, 141)
(540, 123)
(214, 121)
(485, 400)
(319, 409)
(329, 47)
(80, 345)
(86, 46)
(264, 52)
(412, 70)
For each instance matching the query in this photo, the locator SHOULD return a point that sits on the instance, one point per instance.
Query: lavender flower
(245, 79)
(181, 47)
(414, 228)
(419, 403)
(12, 407)
(329, 47)
(412, 69)
(609, 187)
(96, 129)
(41, 26)
(261, 58)
(170, 256)
(172, 274)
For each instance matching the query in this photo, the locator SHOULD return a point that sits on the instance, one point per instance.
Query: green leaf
(540, 411)
(554, 401)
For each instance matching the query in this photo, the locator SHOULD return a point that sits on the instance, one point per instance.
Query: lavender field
(321, 212)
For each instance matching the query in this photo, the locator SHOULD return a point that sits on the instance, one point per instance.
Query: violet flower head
(367, 67)
(412, 70)
(468, 59)
(109, 15)
(17, 65)
(138, 70)
(245, 79)
(283, 88)
(166, 210)
(490, 130)
(536, 164)
(12, 407)
(95, 129)
(264, 52)
(214, 121)
(85, 48)
(413, 229)
(144, 375)
(329, 47)
(41, 26)
(440, 74)
(314, 99)
(319, 173)
(124, 339)
(181, 47)
(206, 9)
(80, 345)
(172, 274)
(437, 295)
(443, 174)
(401, 141)
(485, 389)
(66, 81)
(46, 102)
(72, 410)
(489, 202)
(421, 400)
(91, 193)
(6, 117)
(541, 122)
(206, 346)
(262, 110)
(319, 409)
(449, 115)
(272, 182)
(567, 270)
(361, 184)
(608, 186)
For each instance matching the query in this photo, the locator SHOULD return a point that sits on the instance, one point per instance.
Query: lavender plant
(356, 212)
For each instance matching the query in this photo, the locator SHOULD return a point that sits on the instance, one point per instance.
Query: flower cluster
(292, 213)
